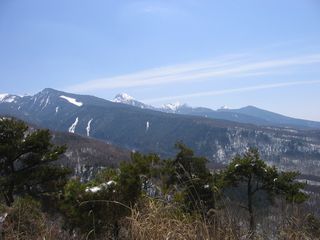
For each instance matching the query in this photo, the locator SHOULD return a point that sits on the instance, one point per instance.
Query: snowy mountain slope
(146, 130)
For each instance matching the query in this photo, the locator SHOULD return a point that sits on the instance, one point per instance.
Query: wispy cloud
(232, 90)
(226, 66)
(159, 8)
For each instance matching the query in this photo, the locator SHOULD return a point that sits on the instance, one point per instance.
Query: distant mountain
(272, 118)
(8, 98)
(172, 107)
(146, 130)
(127, 99)
(249, 114)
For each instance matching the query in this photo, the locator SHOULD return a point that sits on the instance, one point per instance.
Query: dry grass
(158, 221)
(42, 231)
(155, 220)
(299, 228)
(26, 221)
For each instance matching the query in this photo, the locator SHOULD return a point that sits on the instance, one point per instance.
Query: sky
(208, 53)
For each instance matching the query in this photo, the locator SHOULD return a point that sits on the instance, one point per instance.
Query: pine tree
(25, 162)
(192, 176)
(99, 205)
(253, 173)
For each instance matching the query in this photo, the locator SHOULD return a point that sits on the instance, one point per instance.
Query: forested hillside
(148, 197)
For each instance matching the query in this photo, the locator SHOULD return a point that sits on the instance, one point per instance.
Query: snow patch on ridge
(72, 128)
(72, 100)
(88, 127)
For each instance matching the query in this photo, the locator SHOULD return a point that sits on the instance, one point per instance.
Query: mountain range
(144, 128)
(248, 114)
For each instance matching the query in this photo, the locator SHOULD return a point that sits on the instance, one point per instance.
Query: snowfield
(72, 101)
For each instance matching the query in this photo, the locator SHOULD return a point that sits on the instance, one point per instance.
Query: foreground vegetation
(146, 198)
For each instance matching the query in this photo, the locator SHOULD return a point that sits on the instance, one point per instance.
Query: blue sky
(202, 52)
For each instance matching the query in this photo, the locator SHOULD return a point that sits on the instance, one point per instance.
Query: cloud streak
(233, 90)
(227, 66)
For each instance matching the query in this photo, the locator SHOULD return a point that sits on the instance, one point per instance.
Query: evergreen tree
(97, 206)
(25, 162)
(254, 174)
(192, 176)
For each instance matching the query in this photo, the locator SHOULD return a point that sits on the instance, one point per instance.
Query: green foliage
(287, 186)
(193, 179)
(135, 174)
(97, 206)
(90, 208)
(250, 169)
(106, 175)
(187, 165)
(25, 159)
(254, 174)
(130, 181)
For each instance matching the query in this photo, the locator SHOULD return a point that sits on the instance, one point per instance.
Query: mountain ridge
(248, 114)
(147, 130)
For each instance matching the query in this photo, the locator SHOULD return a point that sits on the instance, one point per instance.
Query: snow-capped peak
(225, 107)
(123, 98)
(5, 97)
(172, 106)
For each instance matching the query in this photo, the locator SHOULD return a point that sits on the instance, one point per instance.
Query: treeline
(145, 198)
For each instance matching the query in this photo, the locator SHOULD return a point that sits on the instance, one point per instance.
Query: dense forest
(146, 197)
